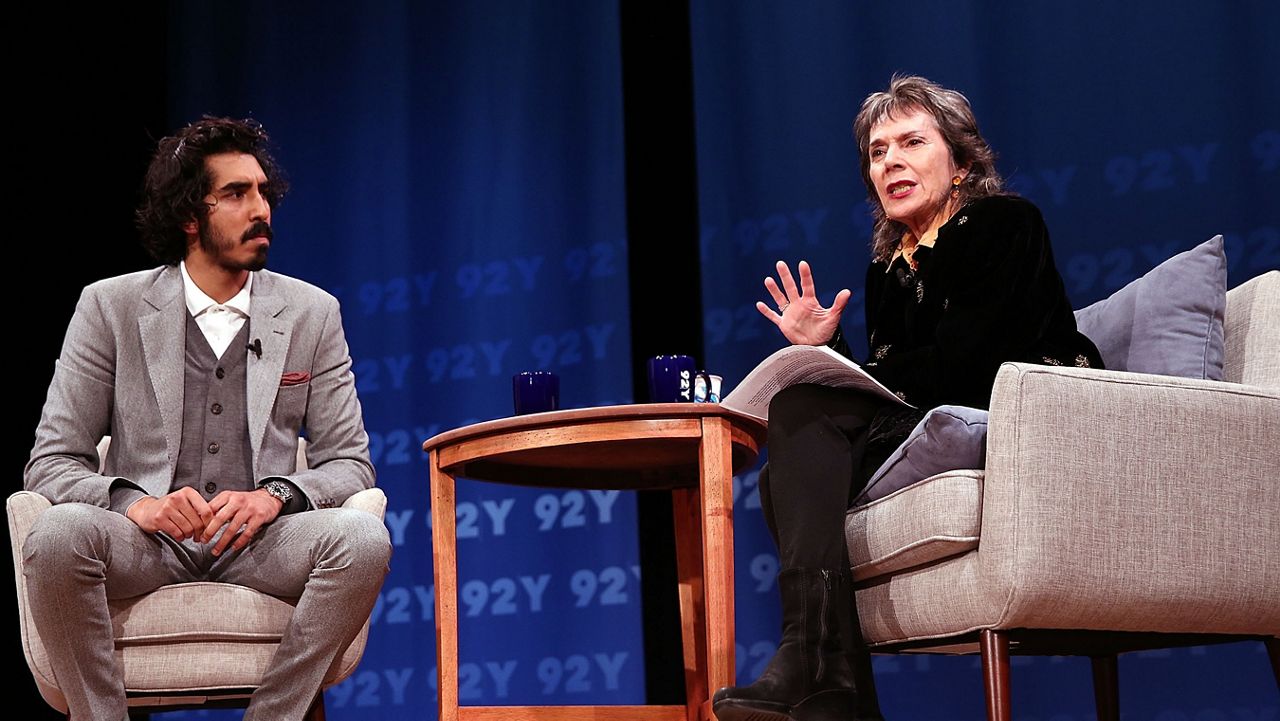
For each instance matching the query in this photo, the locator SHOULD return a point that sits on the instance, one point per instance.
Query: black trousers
(824, 444)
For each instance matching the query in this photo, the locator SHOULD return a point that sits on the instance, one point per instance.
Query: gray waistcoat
(215, 455)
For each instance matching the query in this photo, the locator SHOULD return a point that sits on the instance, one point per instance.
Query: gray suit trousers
(78, 556)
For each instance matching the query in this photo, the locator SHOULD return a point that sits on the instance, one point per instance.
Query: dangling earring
(955, 187)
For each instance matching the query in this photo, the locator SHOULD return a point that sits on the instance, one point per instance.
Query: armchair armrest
(370, 500)
(1126, 501)
(24, 507)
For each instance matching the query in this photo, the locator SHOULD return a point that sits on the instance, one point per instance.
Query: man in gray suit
(203, 371)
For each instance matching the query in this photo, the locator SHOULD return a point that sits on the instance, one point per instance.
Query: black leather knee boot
(856, 653)
(809, 678)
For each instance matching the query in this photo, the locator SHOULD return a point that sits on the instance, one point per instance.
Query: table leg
(687, 513)
(444, 545)
(715, 465)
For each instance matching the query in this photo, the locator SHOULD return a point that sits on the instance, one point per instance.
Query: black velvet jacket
(986, 293)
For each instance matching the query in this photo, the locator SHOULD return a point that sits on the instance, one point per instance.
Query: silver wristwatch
(280, 490)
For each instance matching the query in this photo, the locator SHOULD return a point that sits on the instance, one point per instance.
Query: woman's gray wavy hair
(959, 127)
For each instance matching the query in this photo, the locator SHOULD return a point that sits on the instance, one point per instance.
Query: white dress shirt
(220, 322)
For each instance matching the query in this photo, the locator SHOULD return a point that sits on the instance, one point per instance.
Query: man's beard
(217, 246)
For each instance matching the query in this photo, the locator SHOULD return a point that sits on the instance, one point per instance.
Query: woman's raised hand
(799, 315)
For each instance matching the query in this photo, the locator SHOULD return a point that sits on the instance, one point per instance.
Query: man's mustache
(260, 229)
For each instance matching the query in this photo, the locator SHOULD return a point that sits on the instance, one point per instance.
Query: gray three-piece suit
(131, 367)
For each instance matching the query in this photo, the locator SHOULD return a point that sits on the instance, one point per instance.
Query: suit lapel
(270, 323)
(163, 334)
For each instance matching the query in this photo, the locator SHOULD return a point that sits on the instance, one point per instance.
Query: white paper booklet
(800, 364)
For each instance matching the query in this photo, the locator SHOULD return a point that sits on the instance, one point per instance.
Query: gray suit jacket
(120, 373)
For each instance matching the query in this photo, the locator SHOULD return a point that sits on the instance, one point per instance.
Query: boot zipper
(822, 623)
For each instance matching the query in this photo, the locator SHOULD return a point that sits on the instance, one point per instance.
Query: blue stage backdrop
(457, 179)
(457, 176)
(1140, 131)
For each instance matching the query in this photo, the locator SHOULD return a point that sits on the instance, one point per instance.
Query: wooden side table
(692, 449)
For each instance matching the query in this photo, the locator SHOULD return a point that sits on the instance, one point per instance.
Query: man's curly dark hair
(177, 181)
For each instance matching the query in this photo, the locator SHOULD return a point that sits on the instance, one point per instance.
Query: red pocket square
(295, 378)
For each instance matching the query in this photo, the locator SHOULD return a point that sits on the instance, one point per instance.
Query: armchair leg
(316, 712)
(1106, 686)
(995, 675)
(1273, 651)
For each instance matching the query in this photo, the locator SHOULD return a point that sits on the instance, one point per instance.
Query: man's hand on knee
(182, 514)
(241, 513)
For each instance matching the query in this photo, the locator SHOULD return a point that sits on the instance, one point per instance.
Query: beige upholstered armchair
(1117, 511)
(168, 662)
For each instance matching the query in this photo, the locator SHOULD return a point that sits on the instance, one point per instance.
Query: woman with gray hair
(962, 279)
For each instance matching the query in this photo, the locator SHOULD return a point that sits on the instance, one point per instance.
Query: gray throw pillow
(946, 439)
(1169, 321)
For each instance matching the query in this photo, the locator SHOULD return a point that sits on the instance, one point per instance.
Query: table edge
(629, 412)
